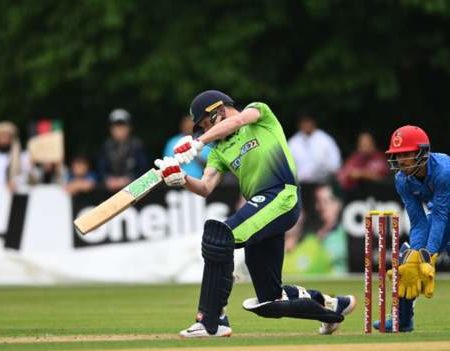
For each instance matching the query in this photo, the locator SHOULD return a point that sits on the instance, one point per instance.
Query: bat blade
(117, 203)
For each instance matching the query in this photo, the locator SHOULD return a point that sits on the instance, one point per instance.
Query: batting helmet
(205, 102)
(407, 139)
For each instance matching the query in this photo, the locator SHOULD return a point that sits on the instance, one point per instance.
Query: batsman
(251, 144)
(423, 182)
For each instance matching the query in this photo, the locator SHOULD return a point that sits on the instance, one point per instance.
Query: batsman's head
(409, 150)
(207, 108)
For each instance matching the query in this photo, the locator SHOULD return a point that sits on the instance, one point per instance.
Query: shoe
(197, 330)
(343, 305)
(406, 317)
(405, 327)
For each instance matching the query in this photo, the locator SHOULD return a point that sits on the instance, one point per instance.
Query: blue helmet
(206, 102)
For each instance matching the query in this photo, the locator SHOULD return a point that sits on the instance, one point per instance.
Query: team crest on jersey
(249, 145)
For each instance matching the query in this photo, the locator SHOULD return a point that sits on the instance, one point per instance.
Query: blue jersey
(430, 231)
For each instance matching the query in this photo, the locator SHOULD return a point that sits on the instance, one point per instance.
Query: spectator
(13, 165)
(366, 164)
(47, 173)
(315, 152)
(80, 178)
(122, 157)
(317, 158)
(195, 168)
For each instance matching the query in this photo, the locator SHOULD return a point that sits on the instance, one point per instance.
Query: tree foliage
(364, 64)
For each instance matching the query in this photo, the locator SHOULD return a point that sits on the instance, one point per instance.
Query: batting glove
(171, 172)
(186, 149)
(427, 272)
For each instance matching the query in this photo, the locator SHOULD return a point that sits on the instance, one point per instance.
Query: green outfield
(136, 317)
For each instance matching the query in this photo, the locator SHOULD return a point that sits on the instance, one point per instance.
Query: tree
(375, 64)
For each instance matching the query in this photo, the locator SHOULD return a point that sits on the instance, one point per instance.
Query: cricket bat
(119, 202)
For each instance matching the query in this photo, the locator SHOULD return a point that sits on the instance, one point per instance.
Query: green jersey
(257, 154)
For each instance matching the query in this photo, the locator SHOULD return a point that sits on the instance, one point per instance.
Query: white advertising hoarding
(155, 242)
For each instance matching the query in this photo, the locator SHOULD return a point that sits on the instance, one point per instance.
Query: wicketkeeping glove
(186, 149)
(427, 272)
(171, 171)
(409, 284)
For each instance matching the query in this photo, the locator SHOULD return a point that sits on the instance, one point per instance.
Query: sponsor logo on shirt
(249, 145)
(258, 198)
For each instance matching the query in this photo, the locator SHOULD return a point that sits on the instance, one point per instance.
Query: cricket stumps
(388, 222)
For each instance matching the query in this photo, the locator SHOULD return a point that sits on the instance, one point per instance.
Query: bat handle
(158, 163)
(179, 158)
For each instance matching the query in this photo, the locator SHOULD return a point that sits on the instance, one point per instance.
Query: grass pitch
(137, 317)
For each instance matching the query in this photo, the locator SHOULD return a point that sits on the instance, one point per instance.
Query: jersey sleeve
(439, 213)
(267, 118)
(418, 234)
(214, 161)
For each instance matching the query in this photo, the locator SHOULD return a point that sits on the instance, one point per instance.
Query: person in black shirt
(122, 158)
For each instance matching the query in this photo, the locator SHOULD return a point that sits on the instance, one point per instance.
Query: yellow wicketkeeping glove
(427, 272)
(409, 284)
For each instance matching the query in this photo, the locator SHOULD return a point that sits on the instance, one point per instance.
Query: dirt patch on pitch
(78, 338)
(132, 337)
(128, 337)
(416, 346)
(400, 346)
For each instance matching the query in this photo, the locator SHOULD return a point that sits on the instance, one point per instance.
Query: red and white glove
(171, 171)
(186, 149)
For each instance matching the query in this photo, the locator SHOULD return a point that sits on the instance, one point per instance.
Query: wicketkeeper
(251, 144)
(422, 179)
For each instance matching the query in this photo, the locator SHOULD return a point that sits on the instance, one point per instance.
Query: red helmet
(408, 138)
